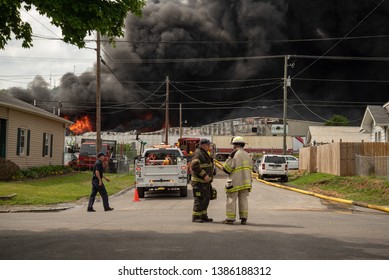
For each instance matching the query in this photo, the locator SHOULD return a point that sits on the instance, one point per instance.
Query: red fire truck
(87, 156)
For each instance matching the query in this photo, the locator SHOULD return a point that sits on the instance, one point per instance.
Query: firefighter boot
(197, 219)
(228, 222)
(243, 221)
(206, 219)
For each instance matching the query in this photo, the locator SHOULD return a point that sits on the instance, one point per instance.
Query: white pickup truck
(160, 169)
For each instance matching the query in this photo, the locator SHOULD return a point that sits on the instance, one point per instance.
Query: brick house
(30, 136)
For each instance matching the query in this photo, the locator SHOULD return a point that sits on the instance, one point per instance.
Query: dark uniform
(201, 165)
(98, 189)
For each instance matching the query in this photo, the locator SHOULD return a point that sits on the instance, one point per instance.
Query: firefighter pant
(242, 197)
(103, 193)
(201, 195)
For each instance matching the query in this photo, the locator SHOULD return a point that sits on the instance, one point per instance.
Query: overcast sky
(49, 58)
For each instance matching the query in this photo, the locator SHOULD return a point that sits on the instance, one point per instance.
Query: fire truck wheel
(141, 193)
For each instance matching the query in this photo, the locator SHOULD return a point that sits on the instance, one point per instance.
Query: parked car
(273, 166)
(293, 162)
(70, 159)
(256, 165)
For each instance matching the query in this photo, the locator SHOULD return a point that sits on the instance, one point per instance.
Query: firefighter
(202, 177)
(238, 166)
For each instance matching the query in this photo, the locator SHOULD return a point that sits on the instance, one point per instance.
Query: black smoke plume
(134, 71)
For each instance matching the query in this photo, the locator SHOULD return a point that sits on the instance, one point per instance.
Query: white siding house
(375, 122)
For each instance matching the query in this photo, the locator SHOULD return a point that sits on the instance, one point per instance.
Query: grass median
(59, 189)
(373, 190)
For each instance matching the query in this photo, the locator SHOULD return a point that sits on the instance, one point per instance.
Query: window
(23, 142)
(377, 136)
(47, 149)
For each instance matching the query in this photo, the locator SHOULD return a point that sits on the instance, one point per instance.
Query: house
(332, 134)
(375, 123)
(30, 136)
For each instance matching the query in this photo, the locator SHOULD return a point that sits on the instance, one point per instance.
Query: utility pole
(167, 112)
(98, 97)
(180, 120)
(285, 102)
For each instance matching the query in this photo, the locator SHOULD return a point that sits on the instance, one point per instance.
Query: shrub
(8, 170)
(45, 171)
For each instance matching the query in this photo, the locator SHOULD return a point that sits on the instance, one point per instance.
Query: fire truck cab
(87, 156)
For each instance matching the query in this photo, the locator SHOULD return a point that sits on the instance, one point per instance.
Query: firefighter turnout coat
(238, 167)
(201, 165)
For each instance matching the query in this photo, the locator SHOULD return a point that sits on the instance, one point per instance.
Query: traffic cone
(136, 196)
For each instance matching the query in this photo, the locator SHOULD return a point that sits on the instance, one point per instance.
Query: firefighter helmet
(238, 140)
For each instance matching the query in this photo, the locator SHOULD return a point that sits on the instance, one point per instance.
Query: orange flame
(81, 125)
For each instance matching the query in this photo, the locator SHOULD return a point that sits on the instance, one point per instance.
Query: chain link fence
(372, 165)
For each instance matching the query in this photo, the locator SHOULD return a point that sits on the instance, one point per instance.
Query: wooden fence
(338, 158)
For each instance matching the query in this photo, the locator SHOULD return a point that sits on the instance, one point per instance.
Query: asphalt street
(282, 225)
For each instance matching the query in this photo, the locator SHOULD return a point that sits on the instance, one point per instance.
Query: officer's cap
(204, 141)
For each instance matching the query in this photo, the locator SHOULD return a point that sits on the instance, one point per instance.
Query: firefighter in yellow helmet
(238, 166)
(202, 177)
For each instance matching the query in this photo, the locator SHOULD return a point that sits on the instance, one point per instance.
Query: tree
(337, 120)
(77, 19)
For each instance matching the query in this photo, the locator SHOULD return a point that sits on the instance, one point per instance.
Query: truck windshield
(90, 149)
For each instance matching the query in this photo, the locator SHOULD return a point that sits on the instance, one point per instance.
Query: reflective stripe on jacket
(239, 165)
(201, 165)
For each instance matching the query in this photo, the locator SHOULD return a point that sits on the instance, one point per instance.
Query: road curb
(356, 203)
(30, 210)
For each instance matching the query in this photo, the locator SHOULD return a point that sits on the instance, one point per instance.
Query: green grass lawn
(374, 190)
(59, 189)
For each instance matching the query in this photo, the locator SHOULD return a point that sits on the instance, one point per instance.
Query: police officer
(202, 177)
(98, 185)
(238, 166)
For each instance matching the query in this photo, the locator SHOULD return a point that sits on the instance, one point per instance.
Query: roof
(376, 115)
(17, 104)
(329, 134)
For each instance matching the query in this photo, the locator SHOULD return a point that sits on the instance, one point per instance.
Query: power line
(306, 107)
(52, 32)
(340, 40)
(244, 42)
(227, 103)
(140, 101)
(341, 80)
(200, 88)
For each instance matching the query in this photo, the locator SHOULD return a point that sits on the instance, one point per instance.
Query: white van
(273, 166)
